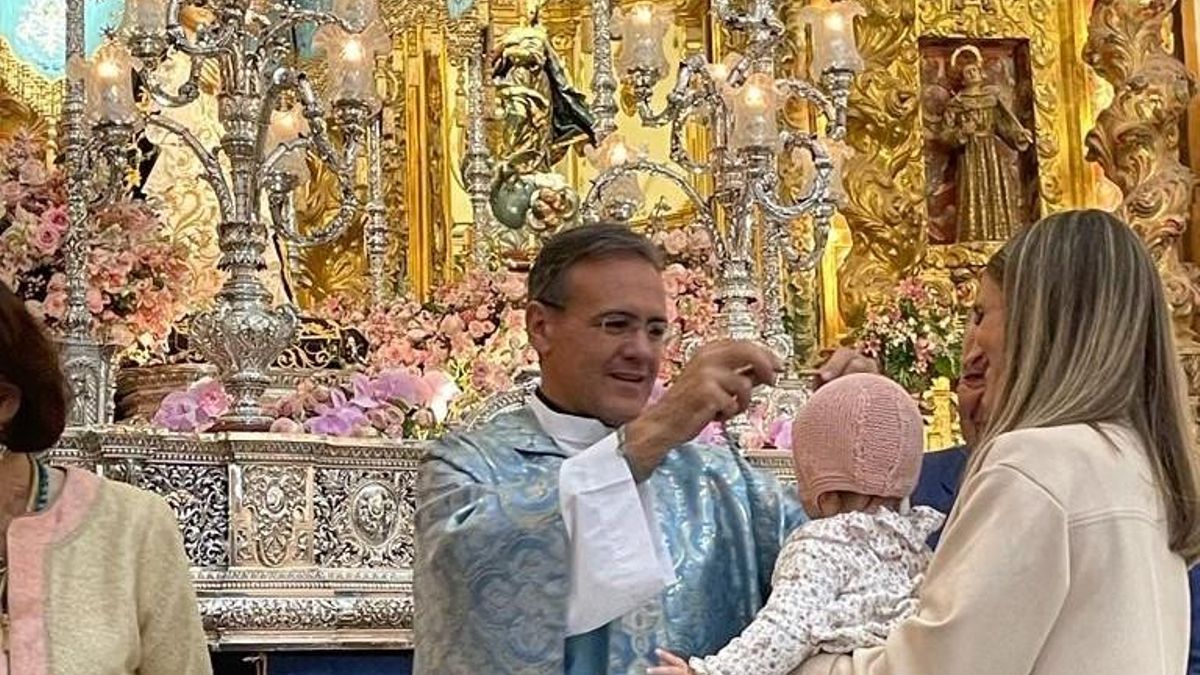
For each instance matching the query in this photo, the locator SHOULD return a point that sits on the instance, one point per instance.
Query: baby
(844, 579)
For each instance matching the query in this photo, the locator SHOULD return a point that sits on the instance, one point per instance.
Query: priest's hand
(669, 664)
(714, 386)
(845, 361)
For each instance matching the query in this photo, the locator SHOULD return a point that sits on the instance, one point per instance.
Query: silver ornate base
(296, 542)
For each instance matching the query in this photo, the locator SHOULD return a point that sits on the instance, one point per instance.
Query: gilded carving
(365, 518)
(28, 86)
(273, 520)
(885, 180)
(1136, 138)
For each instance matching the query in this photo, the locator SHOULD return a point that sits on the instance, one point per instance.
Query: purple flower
(400, 385)
(179, 412)
(338, 418)
(364, 392)
(779, 433)
(713, 434)
(343, 421)
(210, 397)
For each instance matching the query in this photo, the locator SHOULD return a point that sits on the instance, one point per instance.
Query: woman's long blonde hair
(1088, 339)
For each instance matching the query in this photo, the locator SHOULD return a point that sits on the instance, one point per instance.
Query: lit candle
(108, 87)
(833, 42)
(351, 58)
(287, 125)
(144, 17)
(643, 34)
(358, 13)
(754, 108)
(615, 151)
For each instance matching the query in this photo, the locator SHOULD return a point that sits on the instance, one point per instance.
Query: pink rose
(479, 329)
(514, 319)
(32, 172)
(513, 286)
(55, 304)
(451, 325)
(46, 239)
(56, 218)
(675, 242)
(699, 240)
(95, 300)
(12, 192)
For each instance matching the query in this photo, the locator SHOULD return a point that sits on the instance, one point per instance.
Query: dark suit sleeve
(1194, 658)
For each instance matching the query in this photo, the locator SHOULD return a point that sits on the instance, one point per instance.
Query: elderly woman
(1067, 551)
(93, 575)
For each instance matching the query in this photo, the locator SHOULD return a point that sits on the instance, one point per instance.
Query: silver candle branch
(272, 120)
(738, 101)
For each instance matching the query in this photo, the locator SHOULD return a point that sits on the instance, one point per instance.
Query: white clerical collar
(571, 433)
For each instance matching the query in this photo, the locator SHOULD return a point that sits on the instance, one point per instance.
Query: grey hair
(547, 282)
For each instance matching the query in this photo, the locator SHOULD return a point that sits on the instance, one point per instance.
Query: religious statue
(974, 122)
(540, 116)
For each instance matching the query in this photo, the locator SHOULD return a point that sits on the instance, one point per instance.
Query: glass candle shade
(108, 84)
(754, 106)
(288, 125)
(833, 43)
(642, 31)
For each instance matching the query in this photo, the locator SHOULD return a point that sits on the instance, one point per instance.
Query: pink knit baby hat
(859, 433)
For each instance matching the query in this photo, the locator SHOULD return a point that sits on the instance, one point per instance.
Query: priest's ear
(540, 325)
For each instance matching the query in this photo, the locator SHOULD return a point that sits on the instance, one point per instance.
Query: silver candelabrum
(737, 101)
(272, 119)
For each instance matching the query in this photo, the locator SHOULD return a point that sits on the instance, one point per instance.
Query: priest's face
(601, 350)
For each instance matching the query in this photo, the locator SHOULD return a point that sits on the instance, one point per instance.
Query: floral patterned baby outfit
(840, 583)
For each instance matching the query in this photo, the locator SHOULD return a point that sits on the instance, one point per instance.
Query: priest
(580, 533)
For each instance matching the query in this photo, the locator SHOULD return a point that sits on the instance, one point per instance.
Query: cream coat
(1054, 562)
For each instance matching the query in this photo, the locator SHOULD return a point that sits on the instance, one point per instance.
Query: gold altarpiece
(885, 229)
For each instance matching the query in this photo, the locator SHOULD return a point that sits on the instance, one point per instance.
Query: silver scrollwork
(365, 518)
(272, 519)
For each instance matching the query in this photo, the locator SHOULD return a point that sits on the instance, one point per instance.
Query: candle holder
(738, 99)
(255, 54)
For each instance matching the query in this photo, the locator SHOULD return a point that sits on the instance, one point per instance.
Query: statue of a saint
(975, 121)
(540, 116)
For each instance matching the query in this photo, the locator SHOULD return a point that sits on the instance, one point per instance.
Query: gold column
(1189, 35)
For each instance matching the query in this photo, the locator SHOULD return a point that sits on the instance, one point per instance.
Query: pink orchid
(400, 385)
(178, 412)
(779, 434)
(339, 418)
(444, 392)
(364, 392)
(210, 396)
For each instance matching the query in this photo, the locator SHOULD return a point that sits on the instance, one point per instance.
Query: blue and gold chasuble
(491, 579)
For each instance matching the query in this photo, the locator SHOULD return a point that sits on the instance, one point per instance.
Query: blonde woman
(1067, 551)
(93, 576)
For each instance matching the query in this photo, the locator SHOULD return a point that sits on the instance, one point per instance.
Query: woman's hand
(669, 664)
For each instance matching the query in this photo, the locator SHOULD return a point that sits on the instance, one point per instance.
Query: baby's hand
(669, 664)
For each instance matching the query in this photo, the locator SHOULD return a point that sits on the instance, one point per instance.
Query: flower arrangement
(394, 403)
(917, 336)
(471, 330)
(138, 280)
(691, 292)
(195, 409)
(467, 342)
